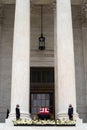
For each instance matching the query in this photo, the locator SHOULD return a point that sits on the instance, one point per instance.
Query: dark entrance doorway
(42, 90)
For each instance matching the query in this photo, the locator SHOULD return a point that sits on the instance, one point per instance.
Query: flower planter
(44, 124)
(65, 125)
(33, 125)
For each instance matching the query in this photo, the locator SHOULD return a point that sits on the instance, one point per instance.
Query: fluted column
(65, 91)
(55, 59)
(20, 88)
(84, 39)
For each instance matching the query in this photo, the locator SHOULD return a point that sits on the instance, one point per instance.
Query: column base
(12, 117)
(65, 116)
(79, 122)
(62, 116)
(23, 115)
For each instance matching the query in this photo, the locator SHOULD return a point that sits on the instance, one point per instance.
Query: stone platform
(5, 127)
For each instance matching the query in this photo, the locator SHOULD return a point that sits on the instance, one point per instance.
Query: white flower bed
(44, 122)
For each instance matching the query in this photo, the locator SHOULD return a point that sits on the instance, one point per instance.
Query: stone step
(4, 127)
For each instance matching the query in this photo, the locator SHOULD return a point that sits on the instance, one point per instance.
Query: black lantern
(41, 38)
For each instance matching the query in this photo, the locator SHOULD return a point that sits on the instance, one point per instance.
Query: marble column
(20, 89)
(65, 91)
(55, 59)
(84, 39)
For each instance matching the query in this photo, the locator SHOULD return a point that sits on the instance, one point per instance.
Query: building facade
(53, 77)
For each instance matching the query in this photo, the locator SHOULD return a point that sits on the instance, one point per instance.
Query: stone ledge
(2, 127)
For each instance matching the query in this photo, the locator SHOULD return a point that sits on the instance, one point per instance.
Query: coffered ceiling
(39, 1)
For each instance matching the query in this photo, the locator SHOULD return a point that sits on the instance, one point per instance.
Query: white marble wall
(42, 58)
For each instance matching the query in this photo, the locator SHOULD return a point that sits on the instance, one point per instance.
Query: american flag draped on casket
(44, 110)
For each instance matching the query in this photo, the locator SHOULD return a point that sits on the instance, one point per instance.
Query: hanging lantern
(41, 38)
